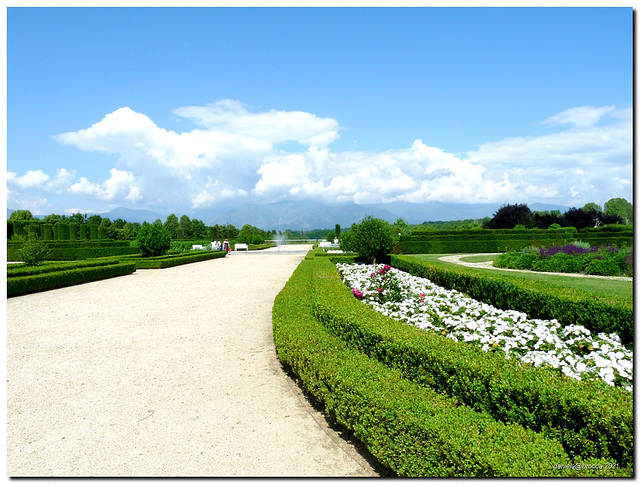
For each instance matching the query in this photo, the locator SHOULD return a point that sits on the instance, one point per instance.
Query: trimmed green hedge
(18, 270)
(20, 285)
(409, 428)
(60, 250)
(502, 240)
(591, 419)
(164, 261)
(597, 315)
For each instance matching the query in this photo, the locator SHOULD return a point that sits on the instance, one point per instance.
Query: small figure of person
(225, 246)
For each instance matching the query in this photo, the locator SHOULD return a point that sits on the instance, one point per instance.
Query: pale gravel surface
(456, 259)
(168, 372)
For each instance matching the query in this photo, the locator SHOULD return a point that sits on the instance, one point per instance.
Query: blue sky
(182, 109)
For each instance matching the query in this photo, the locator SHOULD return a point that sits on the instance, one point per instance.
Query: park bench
(244, 247)
(197, 247)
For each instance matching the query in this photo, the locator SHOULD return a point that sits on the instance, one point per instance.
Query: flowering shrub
(577, 257)
(573, 350)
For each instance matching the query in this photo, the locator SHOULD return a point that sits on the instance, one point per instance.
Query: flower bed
(572, 349)
(578, 257)
(417, 430)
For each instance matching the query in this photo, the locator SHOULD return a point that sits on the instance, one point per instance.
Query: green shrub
(605, 267)
(33, 252)
(371, 238)
(153, 240)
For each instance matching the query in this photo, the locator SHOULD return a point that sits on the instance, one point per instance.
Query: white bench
(197, 247)
(244, 247)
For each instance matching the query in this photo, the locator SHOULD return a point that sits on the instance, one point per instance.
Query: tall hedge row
(502, 240)
(596, 314)
(76, 250)
(410, 428)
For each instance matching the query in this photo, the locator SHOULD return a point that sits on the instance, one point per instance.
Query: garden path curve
(168, 372)
(456, 259)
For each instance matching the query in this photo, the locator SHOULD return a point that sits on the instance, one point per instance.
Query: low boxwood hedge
(591, 419)
(593, 313)
(20, 285)
(18, 270)
(165, 261)
(409, 428)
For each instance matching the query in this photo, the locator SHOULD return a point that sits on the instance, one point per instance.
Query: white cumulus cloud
(232, 153)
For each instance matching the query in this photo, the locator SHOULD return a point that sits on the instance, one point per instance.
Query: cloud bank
(234, 154)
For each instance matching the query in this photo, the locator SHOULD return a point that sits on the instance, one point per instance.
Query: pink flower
(379, 289)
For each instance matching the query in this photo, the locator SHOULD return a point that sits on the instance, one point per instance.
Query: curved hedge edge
(590, 419)
(164, 262)
(18, 286)
(592, 314)
(411, 429)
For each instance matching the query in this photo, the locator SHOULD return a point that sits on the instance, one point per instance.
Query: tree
(79, 218)
(94, 220)
(172, 224)
(508, 216)
(130, 230)
(153, 239)
(592, 206)
(620, 207)
(199, 229)
(337, 230)
(21, 215)
(51, 218)
(400, 226)
(186, 226)
(578, 218)
(544, 220)
(372, 239)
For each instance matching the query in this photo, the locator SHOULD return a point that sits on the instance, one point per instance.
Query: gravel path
(456, 259)
(167, 372)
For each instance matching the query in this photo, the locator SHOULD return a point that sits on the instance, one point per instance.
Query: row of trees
(616, 211)
(183, 228)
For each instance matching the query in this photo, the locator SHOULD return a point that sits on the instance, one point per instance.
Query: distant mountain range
(308, 215)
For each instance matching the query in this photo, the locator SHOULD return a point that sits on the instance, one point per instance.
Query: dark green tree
(21, 215)
(172, 224)
(372, 238)
(199, 229)
(153, 239)
(620, 207)
(186, 226)
(508, 216)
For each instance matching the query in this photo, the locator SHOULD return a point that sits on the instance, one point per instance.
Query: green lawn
(478, 258)
(615, 290)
